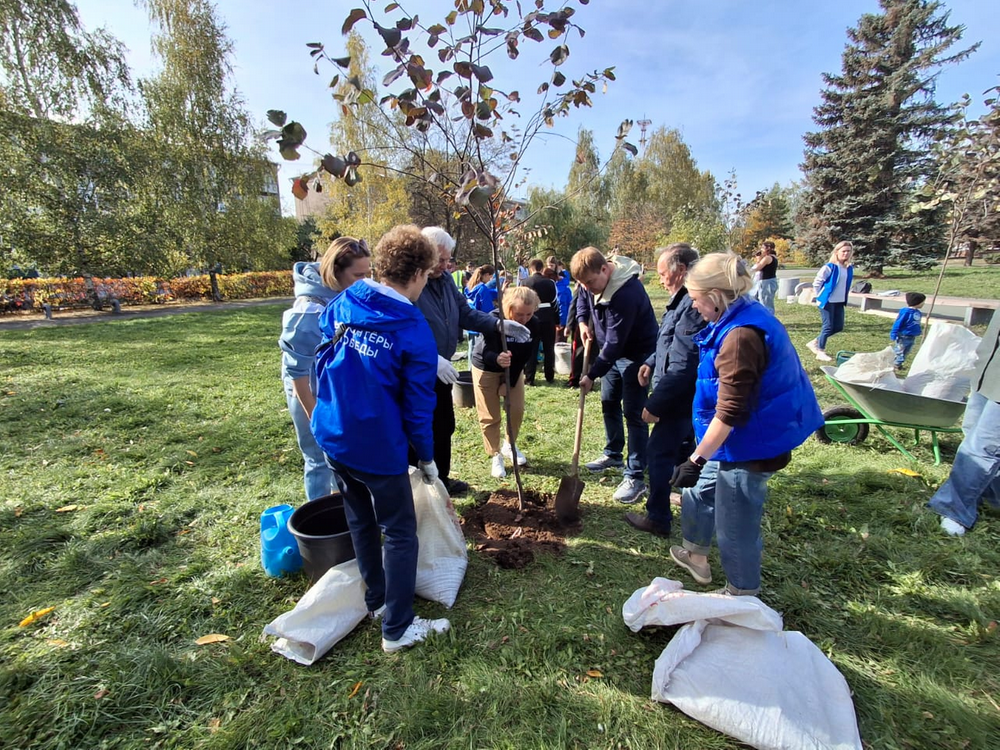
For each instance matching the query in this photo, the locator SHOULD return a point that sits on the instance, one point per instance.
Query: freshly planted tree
(442, 85)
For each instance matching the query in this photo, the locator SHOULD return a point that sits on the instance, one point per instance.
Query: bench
(58, 302)
(978, 312)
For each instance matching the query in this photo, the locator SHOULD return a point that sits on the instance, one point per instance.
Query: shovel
(571, 487)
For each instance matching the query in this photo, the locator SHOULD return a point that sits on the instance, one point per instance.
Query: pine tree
(876, 121)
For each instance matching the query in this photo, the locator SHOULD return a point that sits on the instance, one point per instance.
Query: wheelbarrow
(882, 407)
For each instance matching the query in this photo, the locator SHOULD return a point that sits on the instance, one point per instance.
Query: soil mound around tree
(511, 537)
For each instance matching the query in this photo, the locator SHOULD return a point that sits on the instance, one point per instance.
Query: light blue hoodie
(300, 332)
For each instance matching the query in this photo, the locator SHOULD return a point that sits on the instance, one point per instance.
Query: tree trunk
(214, 281)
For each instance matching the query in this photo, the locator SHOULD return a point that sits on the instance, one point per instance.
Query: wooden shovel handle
(575, 465)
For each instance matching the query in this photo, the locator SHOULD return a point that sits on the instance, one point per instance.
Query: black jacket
(675, 363)
(484, 355)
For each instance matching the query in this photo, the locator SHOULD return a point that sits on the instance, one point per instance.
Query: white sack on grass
(442, 557)
(327, 612)
(771, 690)
(665, 602)
(868, 368)
(732, 668)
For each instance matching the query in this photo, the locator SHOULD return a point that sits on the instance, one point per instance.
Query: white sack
(868, 368)
(771, 690)
(665, 602)
(948, 351)
(327, 612)
(442, 557)
(732, 668)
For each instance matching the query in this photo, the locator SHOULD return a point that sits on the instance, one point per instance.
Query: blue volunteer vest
(786, 411)
(831, 283)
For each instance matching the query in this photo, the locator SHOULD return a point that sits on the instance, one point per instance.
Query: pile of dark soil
(512, 537)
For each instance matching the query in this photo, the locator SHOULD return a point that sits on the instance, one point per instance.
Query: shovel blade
(567, 503)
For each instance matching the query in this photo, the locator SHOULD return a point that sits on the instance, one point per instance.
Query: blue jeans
(663, 453)
(317, 475)
(975, 473)
(833, 322)
(901, 347)
(728, 501)
(620, 391)
(766, 291)
(377, 504)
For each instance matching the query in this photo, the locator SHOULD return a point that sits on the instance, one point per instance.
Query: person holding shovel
(489, 382)
(376, 370)
(753, 404)
(614, 310)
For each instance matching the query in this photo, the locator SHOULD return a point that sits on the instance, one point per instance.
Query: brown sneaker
(701, 573)
(644, 524)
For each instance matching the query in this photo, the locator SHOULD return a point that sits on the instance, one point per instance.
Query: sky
(738, 79)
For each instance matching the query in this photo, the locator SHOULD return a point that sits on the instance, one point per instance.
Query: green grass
(976, 282)
(170, 435)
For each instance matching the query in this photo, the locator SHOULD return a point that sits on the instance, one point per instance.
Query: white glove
(516, 331)
(446, 372)
(429, 470)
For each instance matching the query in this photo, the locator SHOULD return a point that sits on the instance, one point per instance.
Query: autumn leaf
(594, 673)
(67, 508)
(58, 642)
(357, 687)
(214, 724)
(101, 693)
(904, 472)
(211, 638)
(37, 614)
(192, 453)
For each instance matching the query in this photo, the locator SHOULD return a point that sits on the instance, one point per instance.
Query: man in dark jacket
(673, 371)
(547, 317)
(448, 312)
(613, 309)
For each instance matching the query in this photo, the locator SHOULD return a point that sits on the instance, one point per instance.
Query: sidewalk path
(77, 317)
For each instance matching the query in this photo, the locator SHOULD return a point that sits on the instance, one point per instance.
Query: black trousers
(547, 338)
(670, 442)
(443, 427)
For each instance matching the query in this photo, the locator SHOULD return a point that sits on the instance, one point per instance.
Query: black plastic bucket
(462, 394)
(320, 528)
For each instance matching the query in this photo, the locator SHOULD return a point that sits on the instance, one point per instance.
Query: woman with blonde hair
(489, 360)
(753, 404)
(832, 285)
(316, 285)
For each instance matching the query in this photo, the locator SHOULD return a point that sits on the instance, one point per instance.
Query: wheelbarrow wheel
(844, 434)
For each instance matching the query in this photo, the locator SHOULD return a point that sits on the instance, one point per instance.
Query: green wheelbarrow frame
(884, 408)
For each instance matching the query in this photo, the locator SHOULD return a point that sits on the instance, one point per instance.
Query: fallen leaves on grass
(594, 673)
(67, 508)
(357, 687)
(904, 472)
(211, 638)
(58, 642)
(103, 692)
(34, 616)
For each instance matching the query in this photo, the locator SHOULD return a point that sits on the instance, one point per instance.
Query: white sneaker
(378, 613)
(521, 460)
(418, 631)
(951, 527)
(497, 470)
(813, 347)
(823, 356)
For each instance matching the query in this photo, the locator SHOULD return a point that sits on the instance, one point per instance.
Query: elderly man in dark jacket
(448, 312)
(614, 310)
(673, 371)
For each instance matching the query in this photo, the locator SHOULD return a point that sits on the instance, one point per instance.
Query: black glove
(685, 475)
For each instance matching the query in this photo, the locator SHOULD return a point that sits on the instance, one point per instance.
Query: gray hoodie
(300, 332)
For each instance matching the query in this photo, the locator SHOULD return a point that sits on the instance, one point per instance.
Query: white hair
(439, 238)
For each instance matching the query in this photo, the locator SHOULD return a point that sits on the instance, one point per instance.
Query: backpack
(862, 287)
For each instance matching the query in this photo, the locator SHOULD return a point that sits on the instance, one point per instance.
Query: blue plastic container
(279, 552)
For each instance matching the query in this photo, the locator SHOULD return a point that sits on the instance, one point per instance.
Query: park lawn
(137, 456)
(975, 282)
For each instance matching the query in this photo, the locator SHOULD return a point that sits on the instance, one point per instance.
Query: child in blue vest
(907, 327)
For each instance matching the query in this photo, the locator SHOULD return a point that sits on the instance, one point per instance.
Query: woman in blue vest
(832, 285)
(753, 404)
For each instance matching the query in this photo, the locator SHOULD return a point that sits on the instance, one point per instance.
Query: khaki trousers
(489, 388)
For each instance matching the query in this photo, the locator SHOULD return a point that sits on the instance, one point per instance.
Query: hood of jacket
(308, 283)
(364, 307)
(624, 269)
